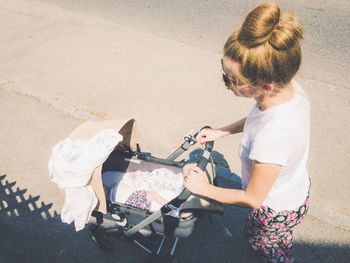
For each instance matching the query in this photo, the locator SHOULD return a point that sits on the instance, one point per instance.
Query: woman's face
(230, 70)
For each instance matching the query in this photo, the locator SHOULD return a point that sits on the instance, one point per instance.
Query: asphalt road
(207, 24)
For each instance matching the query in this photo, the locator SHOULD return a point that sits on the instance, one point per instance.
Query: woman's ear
(268, 88)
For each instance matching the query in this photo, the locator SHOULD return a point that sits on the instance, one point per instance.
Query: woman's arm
(262, 178)
(236, 127)
(206, 135)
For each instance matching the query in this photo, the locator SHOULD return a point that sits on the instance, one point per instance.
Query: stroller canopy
(126, 127)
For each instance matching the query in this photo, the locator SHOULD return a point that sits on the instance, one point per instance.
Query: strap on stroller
(176, 202)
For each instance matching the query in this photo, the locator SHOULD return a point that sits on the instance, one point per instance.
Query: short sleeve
(272, 145)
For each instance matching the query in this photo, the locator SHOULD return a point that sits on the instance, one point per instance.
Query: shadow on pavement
(30, 232)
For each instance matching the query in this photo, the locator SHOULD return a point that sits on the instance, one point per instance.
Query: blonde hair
(267, 46)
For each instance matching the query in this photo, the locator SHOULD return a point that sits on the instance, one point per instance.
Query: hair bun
(259, 25)
(286, 33)
(265, 24)
(267, 46)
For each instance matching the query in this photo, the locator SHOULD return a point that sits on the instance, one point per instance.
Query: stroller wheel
(120, 220)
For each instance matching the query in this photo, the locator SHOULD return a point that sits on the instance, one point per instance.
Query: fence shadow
(31, 232)
(14, 203)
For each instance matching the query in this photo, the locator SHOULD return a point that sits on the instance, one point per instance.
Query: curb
(55, 103)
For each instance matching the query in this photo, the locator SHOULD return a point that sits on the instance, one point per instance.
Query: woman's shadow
(221, 233)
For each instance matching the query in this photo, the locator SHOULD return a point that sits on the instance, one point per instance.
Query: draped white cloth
(71, 165)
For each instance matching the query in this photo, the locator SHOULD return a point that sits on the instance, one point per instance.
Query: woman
(260, 60)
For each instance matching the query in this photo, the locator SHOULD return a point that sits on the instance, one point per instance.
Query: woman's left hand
(195, 180)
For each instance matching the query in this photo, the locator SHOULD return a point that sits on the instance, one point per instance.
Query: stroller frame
(159, 244)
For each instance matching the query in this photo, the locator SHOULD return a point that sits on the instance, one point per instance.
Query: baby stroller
(155, 232)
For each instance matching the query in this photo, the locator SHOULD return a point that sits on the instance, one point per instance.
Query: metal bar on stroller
(176, 202)
(190, 140)
(150, 158)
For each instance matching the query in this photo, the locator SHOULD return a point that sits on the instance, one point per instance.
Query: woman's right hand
(208, 134)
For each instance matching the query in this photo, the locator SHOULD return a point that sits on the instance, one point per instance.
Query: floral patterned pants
(270, 233)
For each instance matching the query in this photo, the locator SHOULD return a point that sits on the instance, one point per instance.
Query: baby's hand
(153, 196)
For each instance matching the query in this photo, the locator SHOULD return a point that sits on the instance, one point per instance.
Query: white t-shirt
(280, 135)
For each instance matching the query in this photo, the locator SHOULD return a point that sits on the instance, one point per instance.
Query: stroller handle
(205, 127)
(201, 164)
(203, 161)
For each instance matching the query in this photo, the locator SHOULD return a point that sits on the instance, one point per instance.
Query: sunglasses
(225, 78)
(228, 82)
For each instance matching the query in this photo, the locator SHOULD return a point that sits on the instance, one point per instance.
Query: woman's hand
(207, 135)
(195, 180)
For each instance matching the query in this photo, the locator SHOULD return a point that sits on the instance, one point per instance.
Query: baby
(148, 190)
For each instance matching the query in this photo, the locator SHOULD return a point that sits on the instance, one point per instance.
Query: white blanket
(71, 165)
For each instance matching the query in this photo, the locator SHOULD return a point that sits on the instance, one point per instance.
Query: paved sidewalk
(59, 68)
